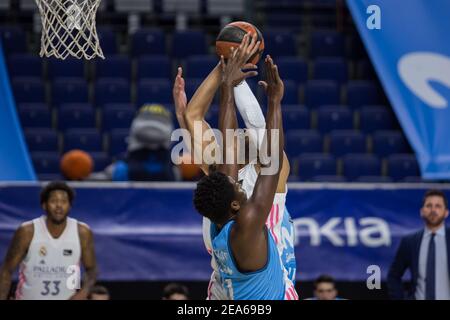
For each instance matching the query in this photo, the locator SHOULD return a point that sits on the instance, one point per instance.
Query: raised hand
(232, 73)
(273, 86)
(179, 93)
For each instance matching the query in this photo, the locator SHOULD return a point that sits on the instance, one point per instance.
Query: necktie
(430, 287)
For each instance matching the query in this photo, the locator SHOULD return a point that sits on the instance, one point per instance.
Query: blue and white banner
(154, 233)
(15, 162)
(408, 43)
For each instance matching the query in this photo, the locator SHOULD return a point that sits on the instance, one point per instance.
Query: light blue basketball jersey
(265, 284)
(288, 237)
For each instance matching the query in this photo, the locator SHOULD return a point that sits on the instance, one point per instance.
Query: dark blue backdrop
(153, 233)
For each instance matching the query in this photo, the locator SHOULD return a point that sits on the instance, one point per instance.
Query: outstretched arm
(195, 111)
(16, 253)
(232, 75)
(249, 238)
(250, 110)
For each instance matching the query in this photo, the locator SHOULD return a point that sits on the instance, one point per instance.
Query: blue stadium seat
(68, 68)
(331, 68)
(119, 105)
(13, 40)
(389, 142)
(41, 139)
(35, 116)
(401, 166)
(364, 70)
(296, 117)
(191, 85)
(374, 179)
(357, 165)
(199, 66)
(24, 65)
(116, 66)
(117, 117)
(303, 141)
(46, 162)
(154, 91)
(334, 118)
(326, 44)
(188, 43)
(361, 93)
(279, 43)
(108, 41)
(321, 92)
(326, 178)
(315, 164)
(118, 141)
(373, 118)
(293, 68)
(291, 21)
(112, 90)
(343, 142)
(84, 139)
(28, 90)
(150, 67)
(69, 90)
(148, 41)
(101, 160)
(76, 116)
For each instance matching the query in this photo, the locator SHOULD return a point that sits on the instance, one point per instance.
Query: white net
(68, 29)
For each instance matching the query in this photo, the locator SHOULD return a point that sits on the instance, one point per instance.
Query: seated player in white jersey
(279, 221)
(248, 261)
(50, 250)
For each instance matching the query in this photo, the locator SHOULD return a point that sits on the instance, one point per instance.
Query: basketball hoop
(68, 29)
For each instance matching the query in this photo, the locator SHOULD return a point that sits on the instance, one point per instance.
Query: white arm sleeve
(250, 111)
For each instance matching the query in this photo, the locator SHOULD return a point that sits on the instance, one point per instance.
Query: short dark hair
(98, 290)
(435, 192)
(173, 288)
(213, 196)
(324, 279)
(54, 186)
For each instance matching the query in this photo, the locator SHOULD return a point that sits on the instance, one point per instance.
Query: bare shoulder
(25, 232)
(84, 231)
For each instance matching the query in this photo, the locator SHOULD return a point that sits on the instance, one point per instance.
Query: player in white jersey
(279, 222)
(50, 250)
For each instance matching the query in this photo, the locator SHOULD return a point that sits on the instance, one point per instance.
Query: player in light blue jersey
(279, 222)
(245, 250)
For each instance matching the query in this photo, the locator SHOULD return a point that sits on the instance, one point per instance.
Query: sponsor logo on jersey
(43, 251)
(67, 252)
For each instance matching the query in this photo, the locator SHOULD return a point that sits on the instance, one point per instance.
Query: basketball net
(68, 29)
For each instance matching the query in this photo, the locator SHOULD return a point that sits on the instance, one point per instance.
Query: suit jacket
(407, 257)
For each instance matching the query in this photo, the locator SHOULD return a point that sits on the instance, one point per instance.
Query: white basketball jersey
(44, 273)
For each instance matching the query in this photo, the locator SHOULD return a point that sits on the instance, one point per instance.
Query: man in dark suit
(426, 253)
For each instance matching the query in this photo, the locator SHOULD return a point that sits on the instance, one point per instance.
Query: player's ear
(235, 206)
(44, 206)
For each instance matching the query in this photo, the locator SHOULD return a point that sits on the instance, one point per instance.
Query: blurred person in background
(49, 250)
(426, 254)
(175, 291)
(325, 289)
(148, 156)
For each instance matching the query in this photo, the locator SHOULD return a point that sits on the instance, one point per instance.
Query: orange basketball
(231, 36)
(76, 165)
(188, 169)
